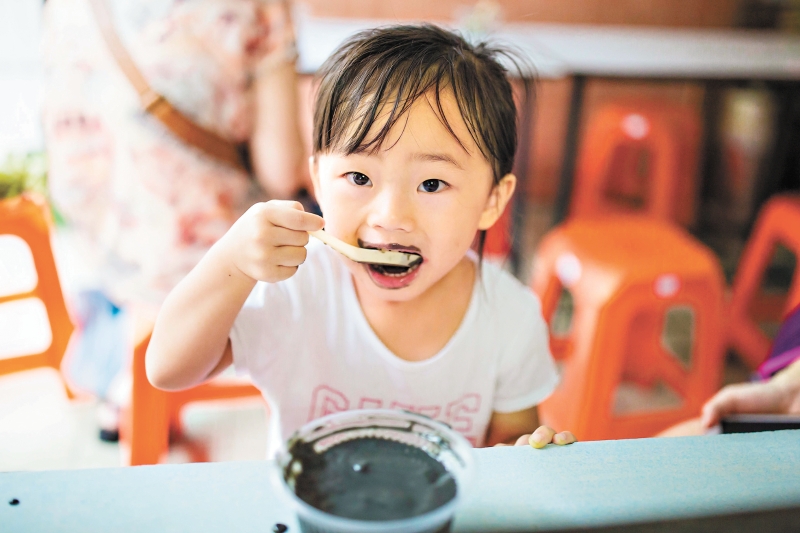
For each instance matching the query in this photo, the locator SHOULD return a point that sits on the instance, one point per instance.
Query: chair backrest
(621, 139)
(35, 327)
(751, 305)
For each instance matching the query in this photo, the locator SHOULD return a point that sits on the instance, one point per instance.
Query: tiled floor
(41, 429)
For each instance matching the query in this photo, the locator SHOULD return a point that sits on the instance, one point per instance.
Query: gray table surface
(592, 483)
(558, 50)
(317, 38)
(631, 52)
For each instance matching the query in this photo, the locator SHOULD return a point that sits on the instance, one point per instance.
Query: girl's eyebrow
(436, 157)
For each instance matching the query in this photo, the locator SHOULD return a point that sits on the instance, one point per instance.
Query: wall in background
(20, 76)
(690, 13)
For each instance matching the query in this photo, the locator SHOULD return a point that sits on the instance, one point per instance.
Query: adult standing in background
(142, 205)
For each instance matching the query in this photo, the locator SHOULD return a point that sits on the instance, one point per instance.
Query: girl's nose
(391, 211)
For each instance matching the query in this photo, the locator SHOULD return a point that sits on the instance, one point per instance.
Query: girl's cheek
(459, 220)
(342, 212)
(344, 193)
(332, 196)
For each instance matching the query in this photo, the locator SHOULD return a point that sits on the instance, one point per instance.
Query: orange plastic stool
(627, 275)
(28, 218)
(153, 414)
(620, 141)
(777, 223)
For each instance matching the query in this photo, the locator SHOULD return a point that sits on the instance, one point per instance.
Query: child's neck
(418, 329)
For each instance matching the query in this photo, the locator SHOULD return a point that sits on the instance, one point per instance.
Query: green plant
(22, 173)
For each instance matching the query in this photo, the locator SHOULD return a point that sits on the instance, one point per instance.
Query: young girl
(414, 139)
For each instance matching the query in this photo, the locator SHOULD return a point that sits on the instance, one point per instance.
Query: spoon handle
(366, 255)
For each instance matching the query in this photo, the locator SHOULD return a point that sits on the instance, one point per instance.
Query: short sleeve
(527, 374)
(261, 328)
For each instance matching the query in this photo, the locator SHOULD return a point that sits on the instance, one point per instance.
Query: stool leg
(751, 344)
(793, 299)
(68, 391)
(148, 419)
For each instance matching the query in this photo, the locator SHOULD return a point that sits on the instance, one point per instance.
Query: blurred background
(745, 137)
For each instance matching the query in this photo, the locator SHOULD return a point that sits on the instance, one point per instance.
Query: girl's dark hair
(388, 69)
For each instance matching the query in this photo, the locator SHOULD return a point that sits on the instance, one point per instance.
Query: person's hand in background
(779, 395)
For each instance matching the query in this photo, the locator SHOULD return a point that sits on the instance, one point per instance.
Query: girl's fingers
(289, 256)
(290, 215)
(282, 272)
(541, 437)
(290, 204)
(564, 438)
(522, 441)
(288, 237)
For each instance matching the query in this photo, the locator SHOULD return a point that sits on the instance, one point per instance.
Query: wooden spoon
(367, 255)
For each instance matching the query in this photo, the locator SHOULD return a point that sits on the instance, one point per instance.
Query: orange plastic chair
(28, 218)
(777, 223)
(639, 157)
(627, 276)
(153, 416)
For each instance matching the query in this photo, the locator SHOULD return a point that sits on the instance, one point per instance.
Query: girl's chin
(385, 279)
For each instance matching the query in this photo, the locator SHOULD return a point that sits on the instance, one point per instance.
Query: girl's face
(422, 192)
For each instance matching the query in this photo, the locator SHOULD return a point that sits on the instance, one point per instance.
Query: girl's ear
(313, 171)
(497, 201)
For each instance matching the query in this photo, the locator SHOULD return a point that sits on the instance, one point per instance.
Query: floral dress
(141, 206)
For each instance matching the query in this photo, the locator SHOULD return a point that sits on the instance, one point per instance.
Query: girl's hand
(545, 435)
(268, 242)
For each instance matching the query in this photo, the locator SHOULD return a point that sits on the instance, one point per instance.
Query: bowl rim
(460, 446)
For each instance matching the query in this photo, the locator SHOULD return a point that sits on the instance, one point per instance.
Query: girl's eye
(432, 186)
(357, 178)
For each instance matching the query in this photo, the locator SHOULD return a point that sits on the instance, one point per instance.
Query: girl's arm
(190, 337)
(515, 429)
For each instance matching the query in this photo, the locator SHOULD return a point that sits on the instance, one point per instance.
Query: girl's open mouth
(393, 277)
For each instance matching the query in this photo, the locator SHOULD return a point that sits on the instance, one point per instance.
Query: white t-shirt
(308, 347)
